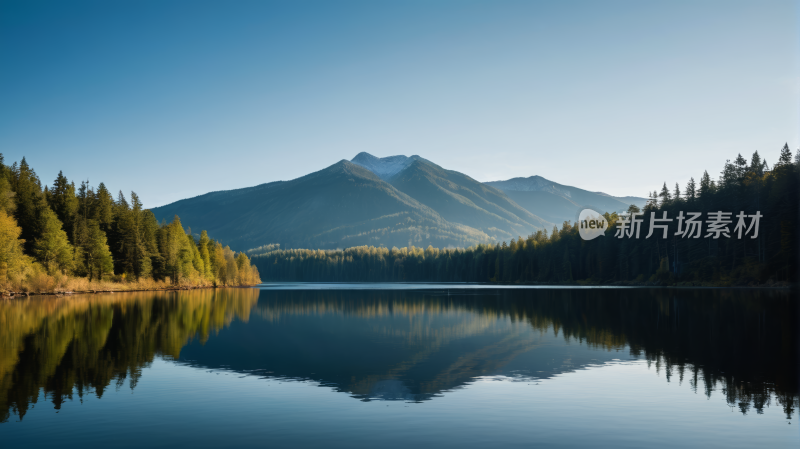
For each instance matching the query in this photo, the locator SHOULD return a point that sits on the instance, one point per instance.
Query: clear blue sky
(175, 99)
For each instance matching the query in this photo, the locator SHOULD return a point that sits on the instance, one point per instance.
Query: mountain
(461, 199)
(558, 203)
(391, 201)
(340, 206)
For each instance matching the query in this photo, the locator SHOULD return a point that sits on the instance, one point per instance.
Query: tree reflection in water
(76, 345)
(400, 344)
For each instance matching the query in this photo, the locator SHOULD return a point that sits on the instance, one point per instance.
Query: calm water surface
(395, 365)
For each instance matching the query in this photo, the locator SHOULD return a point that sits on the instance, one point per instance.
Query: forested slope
(340, 206)
(561, 256)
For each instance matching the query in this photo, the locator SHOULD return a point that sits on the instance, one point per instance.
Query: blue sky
(175, 99)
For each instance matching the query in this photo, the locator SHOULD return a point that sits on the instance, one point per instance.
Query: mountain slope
(551, 207)
(341, 206)
(461, 199)
(558, 203)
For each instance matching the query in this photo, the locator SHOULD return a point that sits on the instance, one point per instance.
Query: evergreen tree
(203, 246)
(63, 202)
(116, 234)
(232, 270)
(757, 166)
(92, 255)
(29, 200)
(104, 208)
(52, 248)
(786, 155)
(134, 251)
(705, 189)
(740, 165)
(665, 195)
(691, 190)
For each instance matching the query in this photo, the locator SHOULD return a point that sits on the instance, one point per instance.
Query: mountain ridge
(339, 206)
(391, 201)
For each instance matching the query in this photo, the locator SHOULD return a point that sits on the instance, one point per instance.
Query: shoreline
(777, 286)
(774, 285)
(16, 295)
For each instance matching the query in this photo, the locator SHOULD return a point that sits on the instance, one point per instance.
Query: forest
(79, 238)
(562, 257)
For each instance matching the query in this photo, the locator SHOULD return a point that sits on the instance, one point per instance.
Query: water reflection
(58, 347)
(403, 345)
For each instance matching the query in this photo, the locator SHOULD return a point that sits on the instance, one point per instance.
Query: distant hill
(558, 203)
(341, 206)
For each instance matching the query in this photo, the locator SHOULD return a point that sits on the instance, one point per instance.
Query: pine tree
(29, 200)
(740, 166)
(104, 208)
(232, 270)
(204, 254)
(691, 190)
(665, 195)
(705, 186)
(63, 202)
(757, 165)
(52, 248)
(177, 251)
(728, 176)
(116, 233)
(134, 250)
(92, 255)
(677, 193)
(786, 155)
(243, 267)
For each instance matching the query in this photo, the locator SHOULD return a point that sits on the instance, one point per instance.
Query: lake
(398, 365)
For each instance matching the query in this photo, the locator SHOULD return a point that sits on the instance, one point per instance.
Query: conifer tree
(104, 208)
(741, 167)
(52, 248)
(786, 155)
(63, 202)
(29, 201)
(705, 186)
(691, 190)
(232, 270)
(204, 254)
(665, 196)
(92, 255)
(757, 165)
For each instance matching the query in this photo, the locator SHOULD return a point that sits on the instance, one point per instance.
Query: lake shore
(115, 287)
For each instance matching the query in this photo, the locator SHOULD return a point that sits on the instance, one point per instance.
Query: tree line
(52, 233)
(561, 256)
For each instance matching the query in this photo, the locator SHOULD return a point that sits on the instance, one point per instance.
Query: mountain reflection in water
(406, 345)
